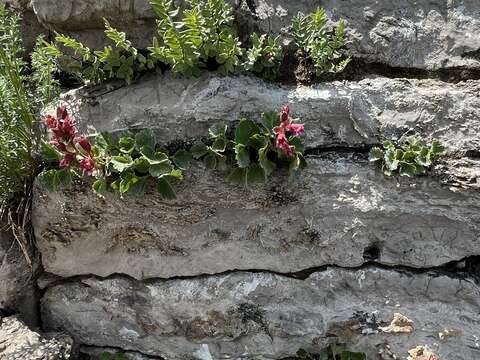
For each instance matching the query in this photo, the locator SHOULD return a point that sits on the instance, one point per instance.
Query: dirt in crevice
(297, 69)
(464, 269)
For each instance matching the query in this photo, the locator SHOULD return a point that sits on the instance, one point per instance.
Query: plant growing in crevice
(125, 164)
(123, 61)
(319, 42)
(264, 57)
(334, 352)
(190, 38)
(257, 149)
(409, 158)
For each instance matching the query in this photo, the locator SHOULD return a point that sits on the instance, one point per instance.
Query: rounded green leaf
(219, 144)
(161, 169)
(407, 169)
(165, 189)
(126, 144)
(142, 165)
(64, 177)
(145, 138)
(245, 129)
(199, 150)
(210, 161)
(376, 154)
(100, 187)
(242, 156)
(255, 173)
(218, 129)
(121, 163)
(182, 158)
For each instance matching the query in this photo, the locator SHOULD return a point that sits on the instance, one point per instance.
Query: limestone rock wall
(17, 281)
(224, 272)
(338, 211)
(425, 34)
(18, 342)
(265, 316)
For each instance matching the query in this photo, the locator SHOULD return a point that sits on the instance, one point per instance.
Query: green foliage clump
(319, 43)
(412, 157)
(265, 56)
(23, 92)
(334, 352)
(125, 164)
(189, 38)
(253, 152)
(123, 61)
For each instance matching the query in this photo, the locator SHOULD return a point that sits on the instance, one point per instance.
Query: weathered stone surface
(18, 342)
(337, 113)
(421, 34)
(415, 34)
(17, 287)
(265, 316)
(95, 353)
(340, 208)
(83, 19)
(350, 114)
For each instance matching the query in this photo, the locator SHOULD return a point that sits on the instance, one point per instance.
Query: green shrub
(264, 57)
(189, 38)
(411, 157)
(123, 61)
(21, 98)
(319, 43)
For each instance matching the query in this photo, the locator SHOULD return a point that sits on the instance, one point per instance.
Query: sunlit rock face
(266, 316)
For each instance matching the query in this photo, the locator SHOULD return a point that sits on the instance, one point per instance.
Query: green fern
(319, 43)
(190, 38)
(265, 56)
(123, 61)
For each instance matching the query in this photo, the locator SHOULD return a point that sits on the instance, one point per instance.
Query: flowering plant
(124, 164)
(257, 149)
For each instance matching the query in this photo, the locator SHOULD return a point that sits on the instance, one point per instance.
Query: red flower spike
(50, 122)
(65, 130)
(283, 145)
(84, 143)
(60, 146)
(296, 129)
(67, 160)
(88, 166)
(286, 125)
(284, 118)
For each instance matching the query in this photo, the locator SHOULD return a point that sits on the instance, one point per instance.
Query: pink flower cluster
(287, 127)
(72, 147)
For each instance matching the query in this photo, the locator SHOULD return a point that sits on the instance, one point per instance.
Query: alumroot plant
(409, 158)
(257, 149)
(126, 164)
